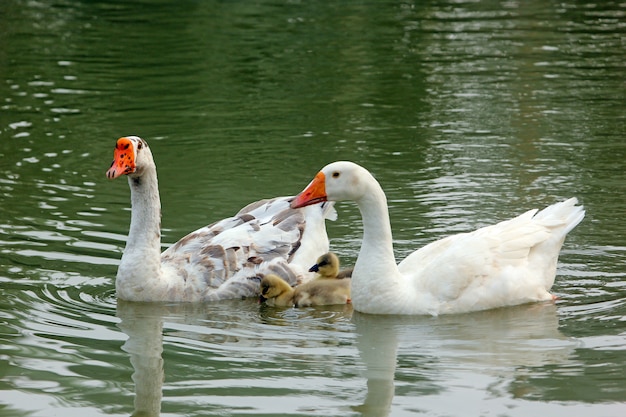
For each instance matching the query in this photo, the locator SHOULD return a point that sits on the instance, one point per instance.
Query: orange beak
(123, 159)
(314, 193)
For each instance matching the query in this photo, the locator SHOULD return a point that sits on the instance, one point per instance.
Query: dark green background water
(468, 112)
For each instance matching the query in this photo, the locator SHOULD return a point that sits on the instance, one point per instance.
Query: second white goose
(509, 263)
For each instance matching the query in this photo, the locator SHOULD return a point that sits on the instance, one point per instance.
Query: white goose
(509, 263)
(217, 261)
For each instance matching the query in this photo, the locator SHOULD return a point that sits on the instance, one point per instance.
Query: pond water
(467, 112)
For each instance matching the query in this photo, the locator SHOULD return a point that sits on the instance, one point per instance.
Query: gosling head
(327, 266)
(273, 287)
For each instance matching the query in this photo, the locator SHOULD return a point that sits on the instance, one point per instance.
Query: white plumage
(509, 263)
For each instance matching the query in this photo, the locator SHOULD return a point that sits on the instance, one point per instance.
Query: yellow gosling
(275, 291)
(327, 266)
(322, 292)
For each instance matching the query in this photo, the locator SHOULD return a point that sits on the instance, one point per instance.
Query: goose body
(275, 291)
(217, 261)
(327, 267)
(509, 263)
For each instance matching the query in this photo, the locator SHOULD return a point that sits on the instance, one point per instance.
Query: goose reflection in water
(143, 324)
(411, 354)
(501, 343)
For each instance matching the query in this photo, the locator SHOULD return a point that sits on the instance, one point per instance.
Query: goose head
(131, 157)
(338, 181)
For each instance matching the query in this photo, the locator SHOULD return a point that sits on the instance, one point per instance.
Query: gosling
(277, 292)
(327, 266)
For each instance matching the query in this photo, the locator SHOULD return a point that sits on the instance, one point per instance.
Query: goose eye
(336, 174)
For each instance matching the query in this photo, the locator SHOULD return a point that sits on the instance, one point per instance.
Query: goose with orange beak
(216, 262)
(508, 263)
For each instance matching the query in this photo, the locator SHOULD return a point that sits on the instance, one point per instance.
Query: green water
(467, 112)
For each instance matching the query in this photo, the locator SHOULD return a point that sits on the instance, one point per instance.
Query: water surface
(467, 112)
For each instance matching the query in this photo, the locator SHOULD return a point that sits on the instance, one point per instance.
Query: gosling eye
(336, 174)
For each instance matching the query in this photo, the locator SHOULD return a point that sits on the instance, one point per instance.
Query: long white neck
(140, 267)
(377, 239)
(375, 271)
